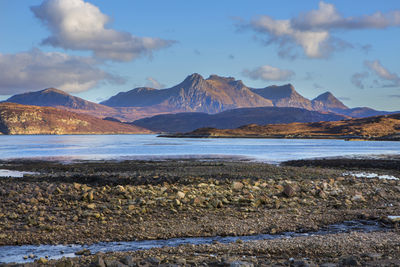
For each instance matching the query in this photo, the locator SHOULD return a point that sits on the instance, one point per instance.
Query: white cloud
(268, 73)
(312, 31)
(78, 25)
(358, 79)
(153, 83)
(327, 17)
(282, 32)
(375, 67)
(34, 70)
(383, 73)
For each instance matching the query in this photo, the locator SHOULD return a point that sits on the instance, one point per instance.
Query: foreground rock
(121, 201)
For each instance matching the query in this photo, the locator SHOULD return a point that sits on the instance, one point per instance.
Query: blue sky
(95, 49)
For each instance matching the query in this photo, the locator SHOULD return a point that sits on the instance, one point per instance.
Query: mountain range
(195, 94)
(220, 102)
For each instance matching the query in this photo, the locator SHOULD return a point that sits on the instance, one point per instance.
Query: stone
(394, 219)
(328, 264)
(289, 191)
(98, 262)
(110, 263)
(350, 261)
(128, 260)
(180, 195)
(358, 198)
(237, 185)
(91, 206)
(241, 264)
(85, 252)
(42, 261)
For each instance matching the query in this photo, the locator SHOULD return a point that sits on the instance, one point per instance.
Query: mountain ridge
(194, 94)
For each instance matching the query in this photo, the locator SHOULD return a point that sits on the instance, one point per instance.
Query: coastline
(90, 202)
(317, 137)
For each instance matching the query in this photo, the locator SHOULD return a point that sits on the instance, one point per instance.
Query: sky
(95, 49)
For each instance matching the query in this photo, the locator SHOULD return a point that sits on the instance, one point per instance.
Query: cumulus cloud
(383, 73)
(358, 79)
(153, 83)
(282, 32)
(376, 68)
(78, 25)
(326, 17)
(34, 70)
(268, 73)
(312, 31)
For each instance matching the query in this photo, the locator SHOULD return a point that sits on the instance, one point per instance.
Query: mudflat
(88, 202)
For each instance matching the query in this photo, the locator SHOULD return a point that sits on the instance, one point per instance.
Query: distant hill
(385, 127)
(184, 122)
(284, 96)
(194, 94)
(363, 112)
(24, 119)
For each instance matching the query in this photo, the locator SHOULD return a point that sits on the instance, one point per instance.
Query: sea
(151, 147)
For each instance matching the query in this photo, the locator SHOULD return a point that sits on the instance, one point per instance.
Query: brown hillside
(379, 127)
(24, 119)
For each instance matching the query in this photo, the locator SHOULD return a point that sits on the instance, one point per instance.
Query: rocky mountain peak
(53, 90)
(193, 79)
(325, 96)
(284, 96)
(327, 101)
(221, 78)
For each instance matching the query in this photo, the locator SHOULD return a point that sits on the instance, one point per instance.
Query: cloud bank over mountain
(35, 69)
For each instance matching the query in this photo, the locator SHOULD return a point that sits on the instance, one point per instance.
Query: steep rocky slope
(194, 94)
(284, 96)
(328, 102)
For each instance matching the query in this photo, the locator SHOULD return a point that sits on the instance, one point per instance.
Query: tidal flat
(102, 201)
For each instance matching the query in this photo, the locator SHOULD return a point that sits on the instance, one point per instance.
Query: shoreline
(313, 137)
(89, 202)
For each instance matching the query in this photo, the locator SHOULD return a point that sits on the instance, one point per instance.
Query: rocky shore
(89, 202)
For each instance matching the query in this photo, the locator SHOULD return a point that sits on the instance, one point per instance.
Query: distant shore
(337, 137)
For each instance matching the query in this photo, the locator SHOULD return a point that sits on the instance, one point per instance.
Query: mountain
(25, 119)
(385, 127)
(194, 94)
(52, 97)
(328, 102)
(284, 96)
(184, 122)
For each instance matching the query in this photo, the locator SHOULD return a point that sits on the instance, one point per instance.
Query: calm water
(95, 147)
